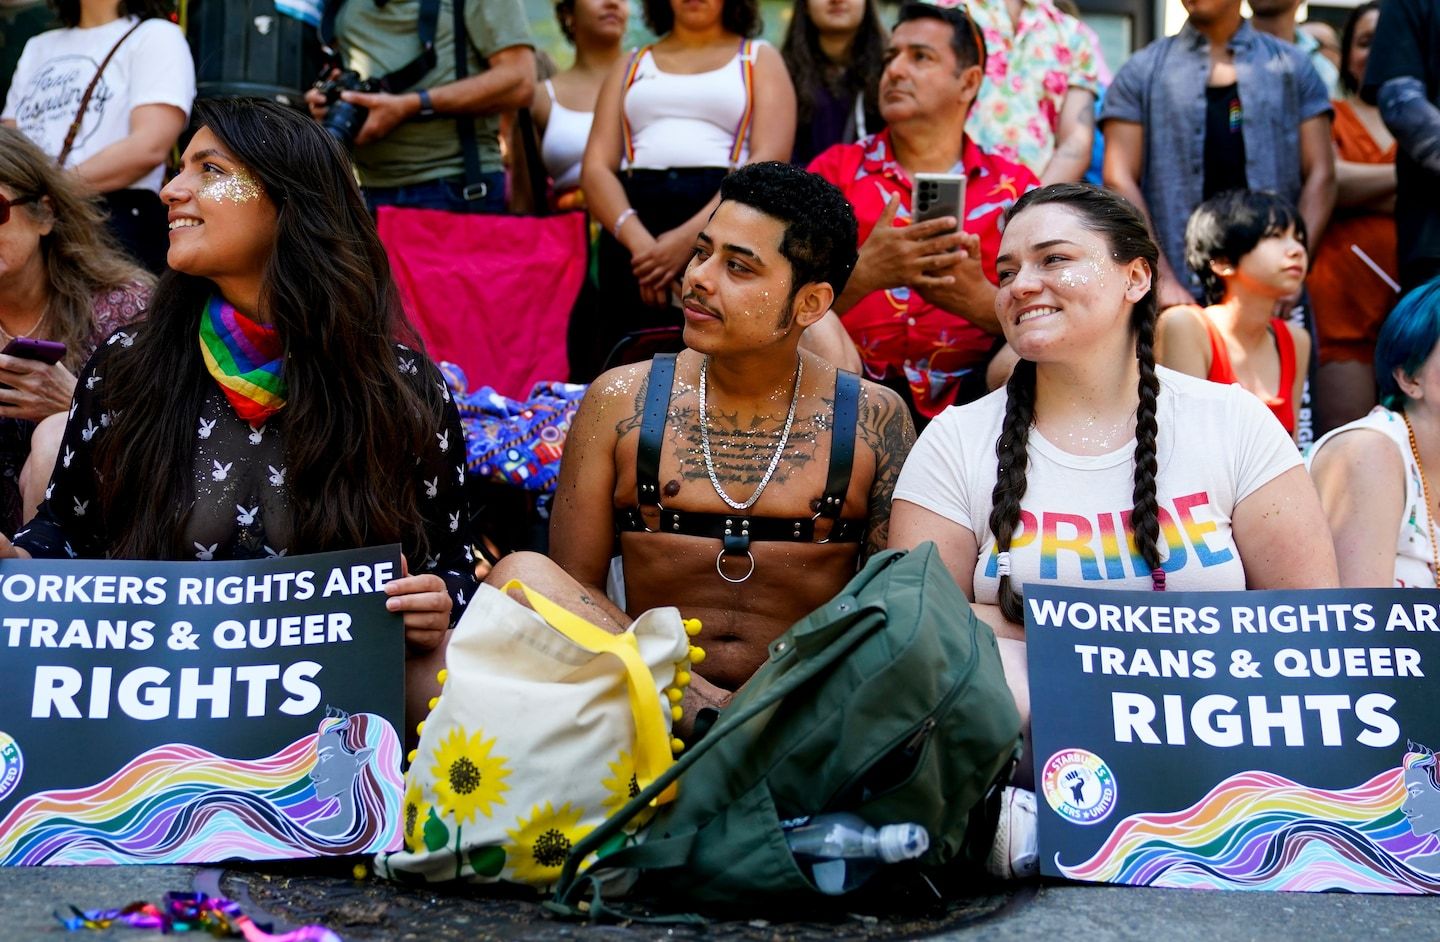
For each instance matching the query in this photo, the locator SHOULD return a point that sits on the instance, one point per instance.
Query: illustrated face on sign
(336, 768)
(1421, 806)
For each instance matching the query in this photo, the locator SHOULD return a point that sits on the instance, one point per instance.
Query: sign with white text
(1237, 740)
(164, 712)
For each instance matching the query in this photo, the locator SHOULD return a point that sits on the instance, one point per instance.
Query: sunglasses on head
(975, 37)
(6, 202)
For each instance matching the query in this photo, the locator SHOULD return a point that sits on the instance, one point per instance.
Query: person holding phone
(920, 305)
(64, 286)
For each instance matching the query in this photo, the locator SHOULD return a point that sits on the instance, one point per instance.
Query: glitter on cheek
(238, 187)
(1071, 278)
(1098, 270)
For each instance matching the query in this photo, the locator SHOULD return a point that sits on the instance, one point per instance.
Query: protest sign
(161, 712)
(1237, 740)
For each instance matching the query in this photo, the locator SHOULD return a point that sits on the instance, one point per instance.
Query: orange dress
(1349, 297)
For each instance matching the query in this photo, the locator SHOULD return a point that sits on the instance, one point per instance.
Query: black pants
(137, 220)
(663, 199)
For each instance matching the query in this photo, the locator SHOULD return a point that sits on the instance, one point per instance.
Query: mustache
(692, 299)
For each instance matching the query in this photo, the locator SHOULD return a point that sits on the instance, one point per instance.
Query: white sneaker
(1014, 855)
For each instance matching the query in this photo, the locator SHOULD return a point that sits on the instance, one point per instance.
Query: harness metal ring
(721, 555)
(640, 515)
(828, 536)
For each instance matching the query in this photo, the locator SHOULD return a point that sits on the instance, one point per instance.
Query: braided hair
(1108, 214)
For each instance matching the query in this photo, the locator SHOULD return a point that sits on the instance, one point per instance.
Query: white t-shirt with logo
(153, 66)
(1216, 445)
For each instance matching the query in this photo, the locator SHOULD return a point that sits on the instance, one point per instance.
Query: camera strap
(475, 188)
(412, 71)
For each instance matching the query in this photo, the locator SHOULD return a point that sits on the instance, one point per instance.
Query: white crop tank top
(563, 145)
(688, 120)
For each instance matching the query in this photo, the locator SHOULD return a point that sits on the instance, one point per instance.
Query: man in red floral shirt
(921, 302)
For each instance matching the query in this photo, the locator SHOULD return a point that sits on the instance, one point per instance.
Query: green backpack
(888, 702)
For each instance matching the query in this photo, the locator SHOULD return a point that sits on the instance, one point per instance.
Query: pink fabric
(492, 294)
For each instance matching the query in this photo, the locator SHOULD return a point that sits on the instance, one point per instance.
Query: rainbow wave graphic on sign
(1260, 831)
(336, 791)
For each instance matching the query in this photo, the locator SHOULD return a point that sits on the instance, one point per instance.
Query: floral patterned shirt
(896, 329)
(1029, 68)
(242, 507)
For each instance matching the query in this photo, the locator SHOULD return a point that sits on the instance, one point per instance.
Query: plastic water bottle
(840, 851)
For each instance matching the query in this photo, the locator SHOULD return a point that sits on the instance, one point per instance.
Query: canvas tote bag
(545, 725)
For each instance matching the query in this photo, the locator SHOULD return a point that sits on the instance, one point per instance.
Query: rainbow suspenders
(742, 129)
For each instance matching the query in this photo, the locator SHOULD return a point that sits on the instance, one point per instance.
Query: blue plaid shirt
(1162, 88)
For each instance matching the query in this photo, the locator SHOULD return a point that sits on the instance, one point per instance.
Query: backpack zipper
(914, 738)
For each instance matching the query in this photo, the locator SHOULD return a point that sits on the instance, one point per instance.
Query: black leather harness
(737, 529)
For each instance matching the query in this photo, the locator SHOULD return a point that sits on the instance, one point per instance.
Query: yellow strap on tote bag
(653, 753)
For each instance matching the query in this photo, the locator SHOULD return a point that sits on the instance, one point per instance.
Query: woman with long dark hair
(1090, 443)
(835, 51)
(264, 408)
(137, 67)
(1092, 466)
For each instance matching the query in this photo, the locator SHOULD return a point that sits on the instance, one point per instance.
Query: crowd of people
(1109, 382)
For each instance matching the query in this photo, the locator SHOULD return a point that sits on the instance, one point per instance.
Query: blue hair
(1408, 336)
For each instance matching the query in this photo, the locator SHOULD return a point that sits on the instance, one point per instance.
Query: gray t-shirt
(376, 40)
(1162, 88)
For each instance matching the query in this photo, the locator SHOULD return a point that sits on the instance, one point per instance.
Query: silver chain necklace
(774, 459)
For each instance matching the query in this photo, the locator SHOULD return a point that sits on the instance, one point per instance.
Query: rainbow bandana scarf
(244, 357)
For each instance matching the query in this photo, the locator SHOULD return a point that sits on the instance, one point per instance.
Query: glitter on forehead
(237, 187)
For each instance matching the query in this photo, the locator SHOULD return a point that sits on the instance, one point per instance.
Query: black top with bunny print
(242, 507)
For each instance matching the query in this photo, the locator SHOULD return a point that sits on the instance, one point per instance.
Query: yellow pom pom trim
(676, 713)
(434, 702)
(444, 673)
(692, 626)
(697, 655)
(420, 728)
(410, 756)
(682, 678)
(675, 695)
(677, 746)
(360, 871)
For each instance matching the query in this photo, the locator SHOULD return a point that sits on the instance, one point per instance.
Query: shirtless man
(772, 258)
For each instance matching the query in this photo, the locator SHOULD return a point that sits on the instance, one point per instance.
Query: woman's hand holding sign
(425, 604)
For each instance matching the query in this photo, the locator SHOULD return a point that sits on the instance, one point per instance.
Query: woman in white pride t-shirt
(1090, 441)
(134, 117)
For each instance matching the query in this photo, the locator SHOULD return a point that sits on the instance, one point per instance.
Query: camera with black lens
(344, 119)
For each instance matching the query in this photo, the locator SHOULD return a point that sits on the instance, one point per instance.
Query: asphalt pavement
(366, 910)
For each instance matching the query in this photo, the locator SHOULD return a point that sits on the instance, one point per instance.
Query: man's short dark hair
(820, 229)
(965, 39)
(1229, 226)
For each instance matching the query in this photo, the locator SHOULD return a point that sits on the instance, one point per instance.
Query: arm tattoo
(886, 428)
(636, 418)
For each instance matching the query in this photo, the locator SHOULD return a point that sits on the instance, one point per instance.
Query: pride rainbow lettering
(1094, 542)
